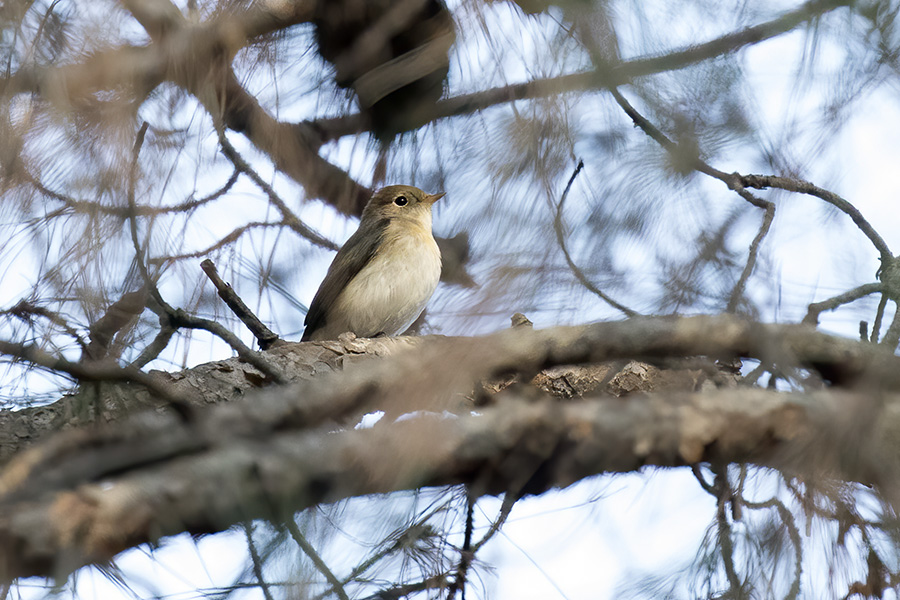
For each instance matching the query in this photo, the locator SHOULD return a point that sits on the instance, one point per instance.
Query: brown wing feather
(349, 261)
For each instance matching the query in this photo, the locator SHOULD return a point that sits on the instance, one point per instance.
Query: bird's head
(401, 202)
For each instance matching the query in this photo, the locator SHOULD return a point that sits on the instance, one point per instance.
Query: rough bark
(84, 495)
(518, 446)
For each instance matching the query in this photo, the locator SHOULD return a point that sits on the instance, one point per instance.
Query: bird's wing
(349, 261)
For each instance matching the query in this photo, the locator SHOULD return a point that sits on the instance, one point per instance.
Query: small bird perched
(382, 278)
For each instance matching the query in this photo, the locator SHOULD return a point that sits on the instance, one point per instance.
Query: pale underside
(391, 291)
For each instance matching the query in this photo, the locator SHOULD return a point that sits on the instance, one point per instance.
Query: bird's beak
(432, 198)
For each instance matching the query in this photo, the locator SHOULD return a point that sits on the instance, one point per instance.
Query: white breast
(391, 291)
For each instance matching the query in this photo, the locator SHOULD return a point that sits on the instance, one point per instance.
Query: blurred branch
(336, 586)
(256, 560)
(737, 293)
(197, 58)
(121, 314)
(606, 77)
(207, 488)
(724, 535)
(728, 43)
(141, 210)
(287, 216)
(558, 227)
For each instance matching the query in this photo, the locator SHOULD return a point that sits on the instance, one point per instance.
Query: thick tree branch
(520, 351)
(256, 474)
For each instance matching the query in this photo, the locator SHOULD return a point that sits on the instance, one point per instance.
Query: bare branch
(576, 270)
(320, 564)
(804, 187)
(287, 216)
(230, 238)
(265, 336)
(738, 292)
(817, 308)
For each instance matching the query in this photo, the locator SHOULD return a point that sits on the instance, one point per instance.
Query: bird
(383, 276)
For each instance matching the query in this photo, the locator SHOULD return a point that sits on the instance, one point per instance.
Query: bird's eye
(401, 201)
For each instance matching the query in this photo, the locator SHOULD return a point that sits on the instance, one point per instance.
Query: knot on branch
(889, 275)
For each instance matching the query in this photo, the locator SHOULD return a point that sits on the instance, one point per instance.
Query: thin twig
(228, 239)
(178, 317)
(256, 561)
(265, 336)
(140, 210)
(879, 317)
(336, 586)
(805, 187)
(738, 292)
(290, 219)
(561, 239)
